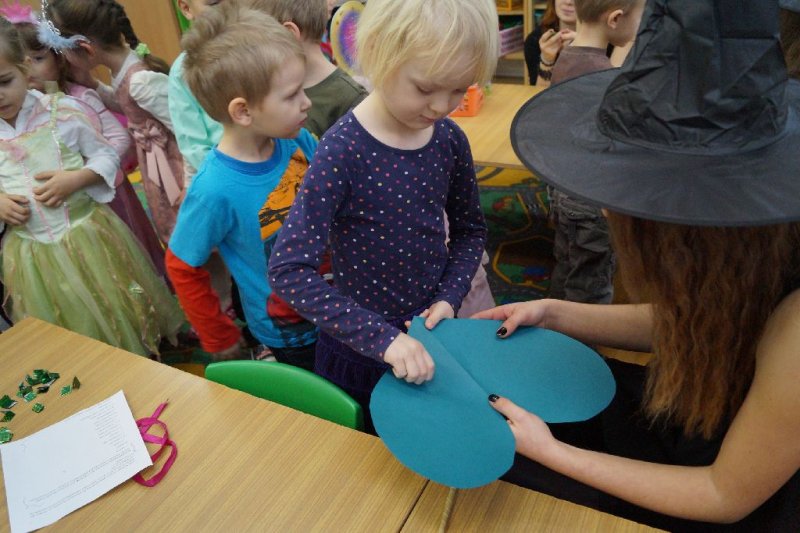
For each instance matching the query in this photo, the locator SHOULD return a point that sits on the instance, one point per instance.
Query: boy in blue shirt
(247, 72)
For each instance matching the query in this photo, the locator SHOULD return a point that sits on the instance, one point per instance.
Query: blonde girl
(383, 179)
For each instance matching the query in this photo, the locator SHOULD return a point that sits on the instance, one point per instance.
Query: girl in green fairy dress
(66, 257)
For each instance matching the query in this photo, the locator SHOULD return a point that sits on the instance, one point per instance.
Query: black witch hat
(700, 126)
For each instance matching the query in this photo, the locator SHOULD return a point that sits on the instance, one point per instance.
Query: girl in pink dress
(98, 32)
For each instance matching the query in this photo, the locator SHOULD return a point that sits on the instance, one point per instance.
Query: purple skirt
(355, 373)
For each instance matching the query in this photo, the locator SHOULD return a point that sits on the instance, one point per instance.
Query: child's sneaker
(262, 353)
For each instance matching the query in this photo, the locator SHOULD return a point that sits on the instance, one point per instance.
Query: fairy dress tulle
(77, 266)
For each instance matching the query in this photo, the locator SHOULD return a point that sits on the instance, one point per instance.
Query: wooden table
(489, 132)
(244, 464)
(503, 507)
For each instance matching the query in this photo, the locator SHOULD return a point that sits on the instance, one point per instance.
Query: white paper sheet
(71, 463)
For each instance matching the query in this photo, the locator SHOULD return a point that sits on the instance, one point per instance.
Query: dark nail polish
(502, 331)
(493, 398)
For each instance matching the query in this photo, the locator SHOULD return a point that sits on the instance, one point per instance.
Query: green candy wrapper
(30, 396)
(5, 435)
(7, 416)
(6, 402)
(66, 390)
(37, 408)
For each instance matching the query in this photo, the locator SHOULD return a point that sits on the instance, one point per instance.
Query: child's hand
(435, 313)
(58, 186)
(409, 359)
(14, 209)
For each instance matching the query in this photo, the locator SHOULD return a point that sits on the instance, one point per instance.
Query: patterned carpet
(515, 204)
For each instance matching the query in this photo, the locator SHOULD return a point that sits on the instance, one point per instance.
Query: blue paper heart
(446, 430)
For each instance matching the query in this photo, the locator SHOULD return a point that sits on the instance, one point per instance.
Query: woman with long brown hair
(703, 202)
(555, 30)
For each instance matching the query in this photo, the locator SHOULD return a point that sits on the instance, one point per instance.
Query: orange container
(471, 104)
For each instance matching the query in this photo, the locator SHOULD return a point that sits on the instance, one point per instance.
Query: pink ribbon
(144, 425)
(153, 140)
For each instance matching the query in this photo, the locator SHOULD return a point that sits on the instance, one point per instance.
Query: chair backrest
(290, 386)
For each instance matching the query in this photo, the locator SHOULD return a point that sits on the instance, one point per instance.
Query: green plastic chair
(290, 386)
(183, 22)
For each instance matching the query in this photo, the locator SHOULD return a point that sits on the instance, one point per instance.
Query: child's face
(192, 9)
(13, 88)
(283, 111)
(43, 67)
(565, 11)
(416, 100)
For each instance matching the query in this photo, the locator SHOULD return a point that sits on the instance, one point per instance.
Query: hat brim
(555, 135)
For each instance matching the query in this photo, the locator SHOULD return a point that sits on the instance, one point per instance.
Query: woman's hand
(533, 313)
(409, 360)
(551, 42)
(14, 209)
(532, 435)
(60, 184)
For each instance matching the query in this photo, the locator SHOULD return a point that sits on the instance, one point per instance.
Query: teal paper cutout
(446, 430)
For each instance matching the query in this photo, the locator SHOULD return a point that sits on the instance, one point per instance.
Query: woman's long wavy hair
(712, 291)
(549, 19)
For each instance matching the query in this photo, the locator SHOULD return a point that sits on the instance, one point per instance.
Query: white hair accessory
(51, 37)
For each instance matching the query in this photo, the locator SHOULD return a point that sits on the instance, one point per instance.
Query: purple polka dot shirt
(382, 211)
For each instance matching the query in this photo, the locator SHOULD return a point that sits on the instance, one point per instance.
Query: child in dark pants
(585, 264)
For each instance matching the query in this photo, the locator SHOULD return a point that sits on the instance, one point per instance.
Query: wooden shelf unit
(528, 21)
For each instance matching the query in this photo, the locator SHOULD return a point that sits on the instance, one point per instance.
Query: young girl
(98, 32)
(67, 258)
(49, 72)
(377, 191)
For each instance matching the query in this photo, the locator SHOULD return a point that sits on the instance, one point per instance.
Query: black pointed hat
(700, 126)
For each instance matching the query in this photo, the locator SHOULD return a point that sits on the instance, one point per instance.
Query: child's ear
(183, 5)
(613, 18)
(239, 111)
(292, 27)
(87, 48)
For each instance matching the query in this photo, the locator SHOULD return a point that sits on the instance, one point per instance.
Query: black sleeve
(532, 53)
